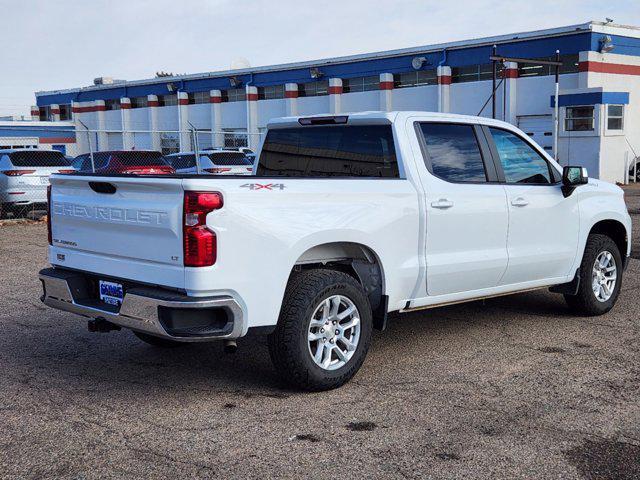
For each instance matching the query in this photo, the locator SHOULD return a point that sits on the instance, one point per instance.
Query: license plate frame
(111, 293)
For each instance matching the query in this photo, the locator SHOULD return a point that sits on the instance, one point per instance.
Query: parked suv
(138, 162)
(24, 176)
(217, 162)
(347, 218)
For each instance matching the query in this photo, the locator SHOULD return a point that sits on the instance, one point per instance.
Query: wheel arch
(615, 230)
(355, 259)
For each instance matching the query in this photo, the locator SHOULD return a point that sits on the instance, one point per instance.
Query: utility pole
(494, 65)
(556, 107)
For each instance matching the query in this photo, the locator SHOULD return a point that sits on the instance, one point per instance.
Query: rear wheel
(158, 341)
(324, 330)
(600, 277)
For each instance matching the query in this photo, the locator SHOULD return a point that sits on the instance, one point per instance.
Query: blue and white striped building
(599, 103)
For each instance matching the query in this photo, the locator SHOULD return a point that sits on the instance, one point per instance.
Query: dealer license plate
(111, 292)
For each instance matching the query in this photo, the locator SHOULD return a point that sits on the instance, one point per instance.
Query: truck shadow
(119, 362)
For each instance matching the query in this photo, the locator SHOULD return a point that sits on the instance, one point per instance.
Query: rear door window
(38, 158)
(453, 152)
(329, 151)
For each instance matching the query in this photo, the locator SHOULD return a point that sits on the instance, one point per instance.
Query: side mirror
(573, 177)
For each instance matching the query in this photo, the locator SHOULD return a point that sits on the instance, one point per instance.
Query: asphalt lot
(510, 387)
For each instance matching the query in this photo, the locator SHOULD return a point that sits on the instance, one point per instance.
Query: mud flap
(570, 288)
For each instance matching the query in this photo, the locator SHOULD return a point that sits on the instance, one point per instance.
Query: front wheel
(600, 277)
(324, 330)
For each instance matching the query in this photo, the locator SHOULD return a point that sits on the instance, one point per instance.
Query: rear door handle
(442, 203)
(519, 202)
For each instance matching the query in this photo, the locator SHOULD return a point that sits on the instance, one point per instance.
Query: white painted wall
(416, 98)
(360, 101)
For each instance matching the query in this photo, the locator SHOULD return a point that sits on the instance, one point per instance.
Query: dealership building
(598, 103)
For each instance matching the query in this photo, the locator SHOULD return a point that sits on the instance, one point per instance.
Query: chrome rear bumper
(140, 310)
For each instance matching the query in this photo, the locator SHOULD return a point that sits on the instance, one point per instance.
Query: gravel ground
(510, 387)
(632, 197)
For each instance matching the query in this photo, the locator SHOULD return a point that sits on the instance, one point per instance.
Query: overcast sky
(57, 44)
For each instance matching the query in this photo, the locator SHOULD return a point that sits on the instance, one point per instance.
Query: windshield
(179, 161)
(129, 158)
(38, 158)
(229, 159)
(137, 158)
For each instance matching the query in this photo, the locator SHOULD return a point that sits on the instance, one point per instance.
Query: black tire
(158, 341)
(288, 344)
(585, 302)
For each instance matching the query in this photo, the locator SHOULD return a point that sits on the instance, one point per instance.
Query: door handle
(519, 202)
(442, 203)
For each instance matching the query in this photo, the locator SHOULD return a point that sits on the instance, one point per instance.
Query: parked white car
(24, 176)
(212, 162)
(347, 218)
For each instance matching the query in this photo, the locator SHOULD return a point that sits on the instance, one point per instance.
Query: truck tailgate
(124, 227)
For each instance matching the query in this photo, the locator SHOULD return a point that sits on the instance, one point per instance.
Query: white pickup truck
(345, 219)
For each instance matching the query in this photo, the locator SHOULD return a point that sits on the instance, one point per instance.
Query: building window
(313, 89)
(198, 97)
(169, 143)
(271, 92)
(45, 114)
(167, 100)
(615, 117)
(474, 73)
(579, 119)
(139, 102)
(415, 79)
(361, 84)
(569, 65)
(234, 138)
(112, 104)
(234, 95)
(65, 112)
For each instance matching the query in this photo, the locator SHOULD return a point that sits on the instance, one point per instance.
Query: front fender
(599, 201)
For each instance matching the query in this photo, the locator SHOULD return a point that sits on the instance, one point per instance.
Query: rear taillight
(200, 248)
(50, 236)
(17, 173)
(66, 171)
(217, 170)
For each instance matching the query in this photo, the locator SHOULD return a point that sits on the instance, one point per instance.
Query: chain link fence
(26, 163)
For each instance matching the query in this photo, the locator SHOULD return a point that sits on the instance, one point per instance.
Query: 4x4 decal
(263, 186)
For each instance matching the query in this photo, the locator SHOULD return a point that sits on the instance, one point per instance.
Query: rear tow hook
(101, 325)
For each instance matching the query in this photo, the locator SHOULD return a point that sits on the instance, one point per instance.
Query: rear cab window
(329, 151)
